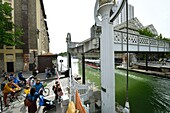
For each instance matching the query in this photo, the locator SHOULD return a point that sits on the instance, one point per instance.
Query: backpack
(27, 102)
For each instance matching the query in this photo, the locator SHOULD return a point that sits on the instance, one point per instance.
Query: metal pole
(127, 108)
(61, 67)
(83, 69)
(127, 51)
(70, 79)
(1, 102)
(68, 39)
(107, 60)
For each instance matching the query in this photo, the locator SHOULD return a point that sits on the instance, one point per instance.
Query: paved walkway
(18, 107)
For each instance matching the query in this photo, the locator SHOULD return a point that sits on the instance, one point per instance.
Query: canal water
(147, 94)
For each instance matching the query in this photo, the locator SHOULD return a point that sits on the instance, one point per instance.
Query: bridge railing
(134, 39)
(136, 43)
(85, 90)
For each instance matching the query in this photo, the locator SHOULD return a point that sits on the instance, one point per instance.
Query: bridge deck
(136, 43)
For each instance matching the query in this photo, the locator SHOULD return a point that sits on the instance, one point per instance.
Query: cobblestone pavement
(18, 107)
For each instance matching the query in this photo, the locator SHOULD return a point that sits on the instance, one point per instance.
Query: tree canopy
(9, 32)
(146, 32)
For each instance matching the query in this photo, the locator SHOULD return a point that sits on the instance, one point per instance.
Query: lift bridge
(136, 44)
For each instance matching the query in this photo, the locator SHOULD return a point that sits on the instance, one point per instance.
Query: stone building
(30, 16)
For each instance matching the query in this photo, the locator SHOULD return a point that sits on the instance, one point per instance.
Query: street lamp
(108, 11)
(68, 40)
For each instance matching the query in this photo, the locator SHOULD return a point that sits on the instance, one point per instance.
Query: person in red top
(8, 89)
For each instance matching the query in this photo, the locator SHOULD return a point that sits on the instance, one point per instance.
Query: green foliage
(9, 32)
(146, 32)
(160, 37)
(62, 54)
(166, 39)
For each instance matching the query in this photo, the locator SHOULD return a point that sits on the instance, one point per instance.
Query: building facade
(122, 16)
(30, 16)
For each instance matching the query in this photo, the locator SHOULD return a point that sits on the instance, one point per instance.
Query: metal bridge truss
(137, 43)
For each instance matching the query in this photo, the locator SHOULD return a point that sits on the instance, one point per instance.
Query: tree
(9, 32)
(63, 54)
(146, 32)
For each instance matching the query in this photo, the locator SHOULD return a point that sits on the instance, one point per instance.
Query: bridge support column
(83, 69)
(146, 67)
(107, 60)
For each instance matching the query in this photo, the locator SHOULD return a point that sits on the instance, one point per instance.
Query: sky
(77, 17)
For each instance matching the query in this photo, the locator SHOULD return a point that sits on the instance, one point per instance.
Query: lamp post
(68, 40)
(107, 59)
(108, 11)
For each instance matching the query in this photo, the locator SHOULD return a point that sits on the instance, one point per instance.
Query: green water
(147, 94)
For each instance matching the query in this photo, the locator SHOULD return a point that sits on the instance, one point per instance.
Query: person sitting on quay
(4, 73)
(21, 77)
(27, 90)
(35, 72)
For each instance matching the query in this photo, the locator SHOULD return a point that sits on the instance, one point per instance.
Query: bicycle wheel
(46, 92)
(20, 98)
(8, 100)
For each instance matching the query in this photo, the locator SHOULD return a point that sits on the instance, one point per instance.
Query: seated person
(21, 77)
(35, 72)
(4, 73)
(6, 78)
(16, 80)
(8, 89)
(48, 104)
(27, 90)
(31, 80)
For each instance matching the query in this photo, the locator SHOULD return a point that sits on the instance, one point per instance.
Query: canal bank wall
(148, 72)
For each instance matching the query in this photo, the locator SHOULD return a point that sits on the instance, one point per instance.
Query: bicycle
(46, 90)
(18, 96)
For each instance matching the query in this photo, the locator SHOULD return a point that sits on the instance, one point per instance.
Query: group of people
(36, 92)
(57, 91)
(49, 72)
(33, 92)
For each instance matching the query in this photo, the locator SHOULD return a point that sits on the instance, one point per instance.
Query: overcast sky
(76, 17)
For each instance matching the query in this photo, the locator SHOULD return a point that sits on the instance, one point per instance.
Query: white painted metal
(70, 80)
(137, 43)
(107, 60)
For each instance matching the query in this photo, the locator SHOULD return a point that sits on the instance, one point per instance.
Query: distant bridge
(137, 43)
